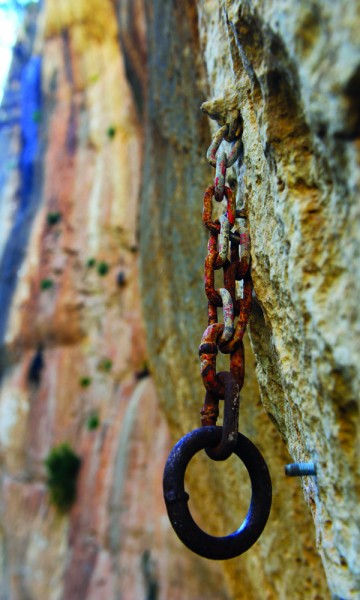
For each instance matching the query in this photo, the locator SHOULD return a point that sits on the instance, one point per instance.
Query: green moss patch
(46, 284)
(102, 268)
(53, 218)
(85, 381)
(111, 132)
(105, 364)
(93, 422)
(62, 466)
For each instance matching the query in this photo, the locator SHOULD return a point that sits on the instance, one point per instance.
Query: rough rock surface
(86, 167)
(105, 102)
(294, 70)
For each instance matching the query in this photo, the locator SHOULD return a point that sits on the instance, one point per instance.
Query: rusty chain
(228, 251)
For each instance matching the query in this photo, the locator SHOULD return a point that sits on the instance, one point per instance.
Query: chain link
(228, 251)
(218, 158)
(231, 253)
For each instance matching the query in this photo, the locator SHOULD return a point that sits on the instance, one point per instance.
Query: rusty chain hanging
(230, 251)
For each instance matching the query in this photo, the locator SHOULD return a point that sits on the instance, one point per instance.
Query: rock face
(106, 104)
(294, 73)
(74, 341)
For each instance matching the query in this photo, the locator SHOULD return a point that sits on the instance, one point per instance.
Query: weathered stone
(76, 348)
(298, 183)
(119, 80)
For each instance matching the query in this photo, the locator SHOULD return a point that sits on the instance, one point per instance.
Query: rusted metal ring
(176, 499)
(208, 351)
(234, 153)
(215, 143)
(210, 411)
(245, 308)
(214, 226)
(220, 175)
(223, 162)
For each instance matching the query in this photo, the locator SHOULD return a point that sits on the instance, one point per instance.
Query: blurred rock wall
(106, 133)
(73, 347)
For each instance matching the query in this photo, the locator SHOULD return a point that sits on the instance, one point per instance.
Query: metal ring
(176, 499)
(214, 226)
(210, 412)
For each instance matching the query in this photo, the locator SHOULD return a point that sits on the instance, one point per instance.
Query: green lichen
(105, 364)
(53, 218)
(93, 422)
(103, 268)
(62, 466)
(85, 381)
(111, 132)
(46, 284)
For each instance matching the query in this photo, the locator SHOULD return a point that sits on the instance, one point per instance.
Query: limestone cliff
(294, 71)
(74, 343)
(104, 176)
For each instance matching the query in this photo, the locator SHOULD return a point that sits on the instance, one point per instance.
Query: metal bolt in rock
(300, 469)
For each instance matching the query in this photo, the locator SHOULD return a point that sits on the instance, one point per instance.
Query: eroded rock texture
(294, 71)
(74, 347)
(104, 110)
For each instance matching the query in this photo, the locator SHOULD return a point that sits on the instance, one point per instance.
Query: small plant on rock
(53, 218)
(111, 131)
(105, 364)
(46, 284)
(102, 268)
(93, 422)
(62, 465)
(85, 381)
